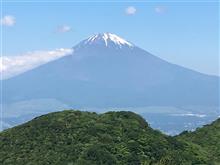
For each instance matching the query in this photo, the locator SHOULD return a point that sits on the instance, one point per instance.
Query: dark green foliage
(207, 138)
(84, 138)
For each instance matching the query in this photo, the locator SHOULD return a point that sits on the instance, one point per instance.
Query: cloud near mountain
(14, 65)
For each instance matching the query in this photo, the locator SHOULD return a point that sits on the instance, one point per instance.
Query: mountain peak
(108, 40)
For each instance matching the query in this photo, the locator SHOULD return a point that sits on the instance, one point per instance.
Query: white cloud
(64, 29)
(13, 65)
(8, 20)
(160, 9)
(131, 10)
(190, 114)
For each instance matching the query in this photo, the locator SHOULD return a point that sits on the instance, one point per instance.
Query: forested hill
(85, 138)
(208, 137)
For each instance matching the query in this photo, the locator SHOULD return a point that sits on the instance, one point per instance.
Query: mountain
(81, 138)
(105, 73)
(108, 71)
(207, 137)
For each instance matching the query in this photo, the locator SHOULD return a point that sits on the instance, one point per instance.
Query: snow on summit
(108, 39)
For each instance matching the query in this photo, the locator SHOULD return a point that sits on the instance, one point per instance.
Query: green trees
(207, 139)
(97, 154)
(81, 138)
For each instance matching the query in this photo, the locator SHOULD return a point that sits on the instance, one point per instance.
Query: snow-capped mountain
(108, 71)
(107, 40)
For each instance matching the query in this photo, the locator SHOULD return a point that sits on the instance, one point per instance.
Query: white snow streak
(108, 38)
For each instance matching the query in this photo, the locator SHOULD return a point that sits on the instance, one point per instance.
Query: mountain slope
(74, 137)
(208, 137)
(107, 71)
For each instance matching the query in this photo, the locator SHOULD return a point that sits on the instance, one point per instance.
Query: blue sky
(185, 33)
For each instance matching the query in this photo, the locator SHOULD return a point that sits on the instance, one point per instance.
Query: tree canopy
(85, 138)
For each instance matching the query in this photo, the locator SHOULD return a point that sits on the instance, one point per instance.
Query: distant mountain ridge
(108, 71)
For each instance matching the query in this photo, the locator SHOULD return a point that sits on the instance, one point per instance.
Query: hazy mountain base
(74, 137)
(169, 120)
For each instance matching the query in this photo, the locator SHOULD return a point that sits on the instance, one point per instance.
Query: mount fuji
(106, 71)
